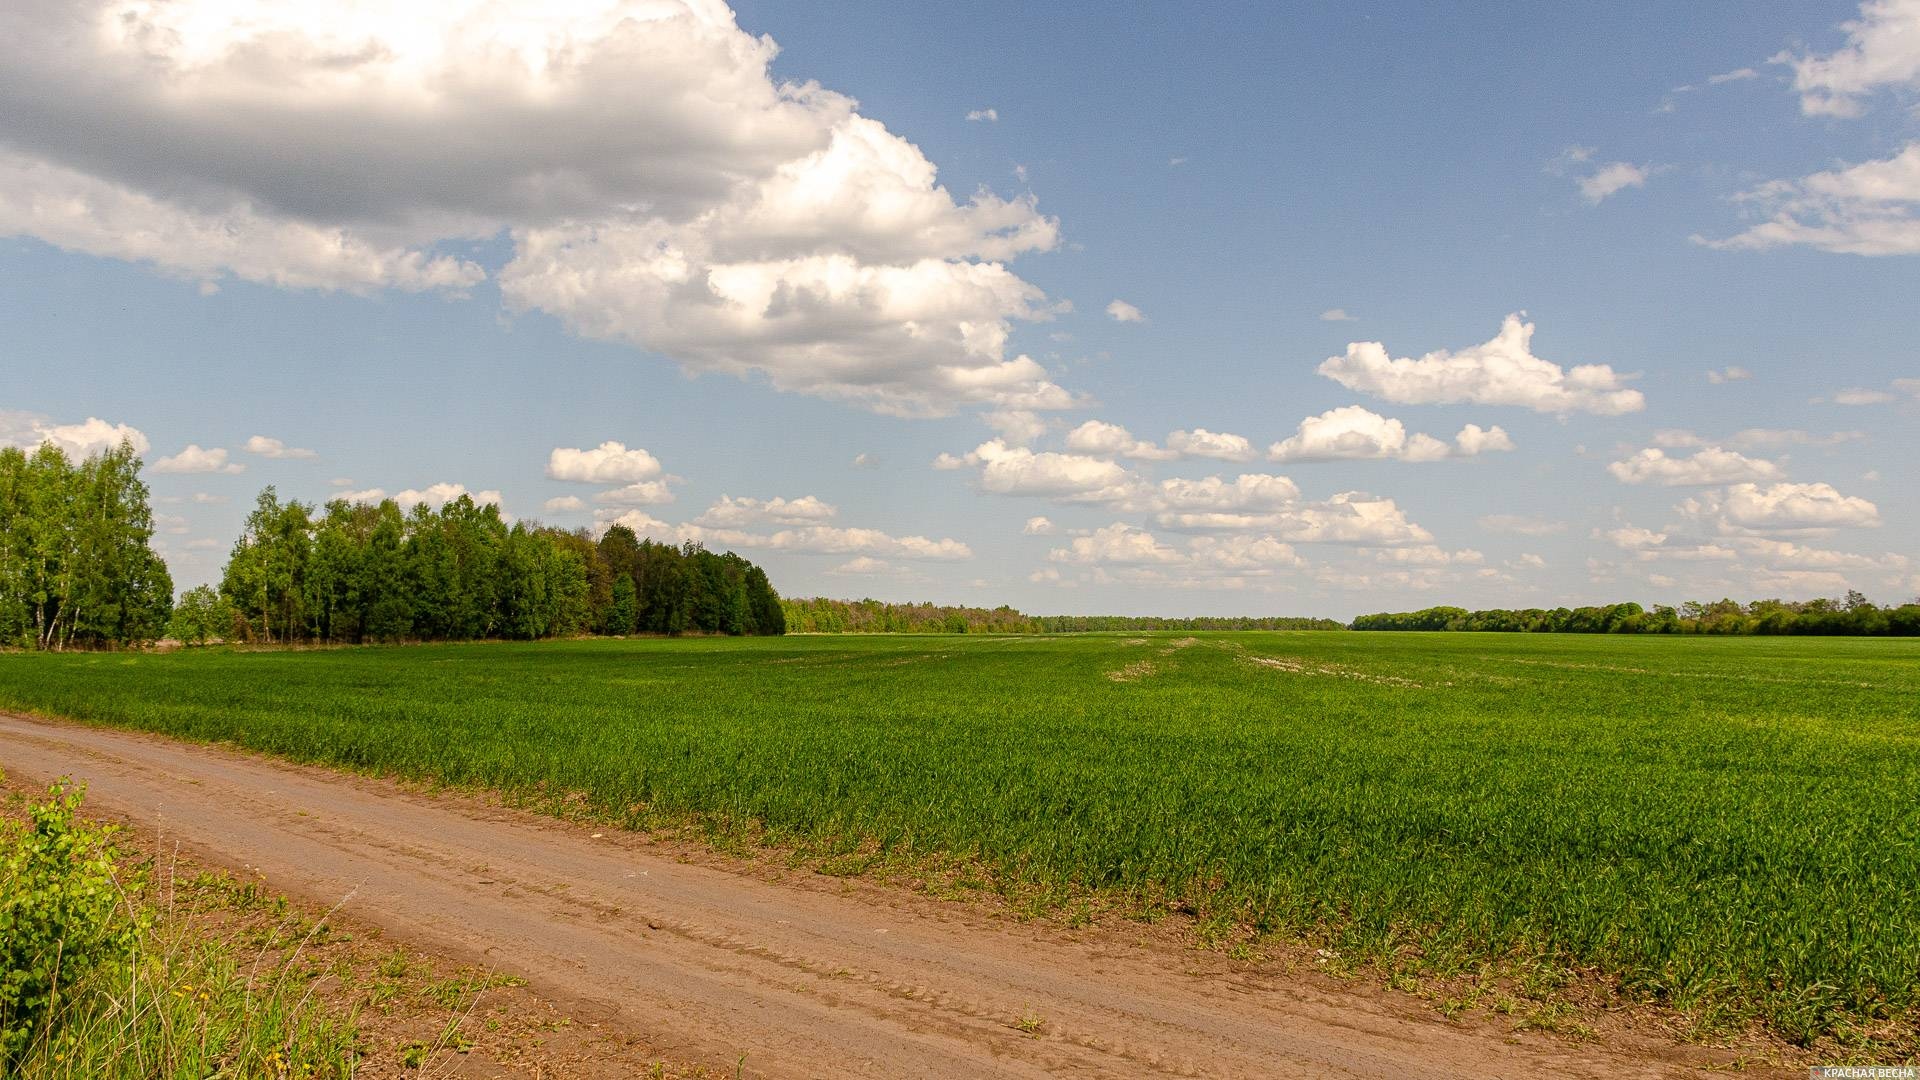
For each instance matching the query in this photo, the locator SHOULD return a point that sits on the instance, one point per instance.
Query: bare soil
(651, 950)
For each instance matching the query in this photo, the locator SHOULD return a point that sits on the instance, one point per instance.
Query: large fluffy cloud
(1355, 432)
(658, 185)
(1503, 371)
(77, 211)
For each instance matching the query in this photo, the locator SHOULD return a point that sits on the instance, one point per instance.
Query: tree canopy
(359, 572)
(77, 566)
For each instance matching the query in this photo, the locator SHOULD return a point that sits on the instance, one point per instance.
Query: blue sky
(875, 309)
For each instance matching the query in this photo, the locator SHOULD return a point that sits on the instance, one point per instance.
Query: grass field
(1731, 826)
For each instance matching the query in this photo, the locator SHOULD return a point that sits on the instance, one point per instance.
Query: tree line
(1854, 615)
(77, 566)
(78, 570)
(820, 615)
(362, 572)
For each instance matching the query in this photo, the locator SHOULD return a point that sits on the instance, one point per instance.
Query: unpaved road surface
(805, 980)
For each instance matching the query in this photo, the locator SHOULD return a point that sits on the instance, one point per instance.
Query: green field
(1728, 825)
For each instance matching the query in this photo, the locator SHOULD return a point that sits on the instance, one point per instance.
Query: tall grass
(1725, 825)
(157, 998)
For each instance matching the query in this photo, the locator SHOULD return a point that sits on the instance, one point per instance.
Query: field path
(806, 978)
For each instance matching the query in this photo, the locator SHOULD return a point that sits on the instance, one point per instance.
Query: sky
(1083, 308)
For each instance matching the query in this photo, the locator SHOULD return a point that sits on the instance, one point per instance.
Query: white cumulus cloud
(609, 463)
(1350, 517)
(1112, 440)
(1782, 507)
(731, 513)
(833, 540)
(1502, 371)
(263, 446)
(638, 493)
(1116, 544)
(1017, 426)
(1016, 470)
(1121, 311)
(1351, 432)
(194, 459)
(1474, 440)
(1201, 443)
(1708, 467)
(1354, 432)
(91, 436)
(1246, 493)
(864, 566)
(656, 183)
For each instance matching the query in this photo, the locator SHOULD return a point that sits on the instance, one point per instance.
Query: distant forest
(819, 615)
(1854, 615)
(358, 572)
(78, 570)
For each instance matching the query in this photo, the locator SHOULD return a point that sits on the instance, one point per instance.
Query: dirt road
(804, 979)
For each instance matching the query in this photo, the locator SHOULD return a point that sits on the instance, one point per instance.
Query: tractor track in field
(808, 977)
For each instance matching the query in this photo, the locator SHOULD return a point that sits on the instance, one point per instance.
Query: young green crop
(1717, 823)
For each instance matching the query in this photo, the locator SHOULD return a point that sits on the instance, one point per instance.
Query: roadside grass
(225, 978)
(103, 981)
(1508, 825)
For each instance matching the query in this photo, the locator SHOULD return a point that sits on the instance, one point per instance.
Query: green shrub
(62, 918)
